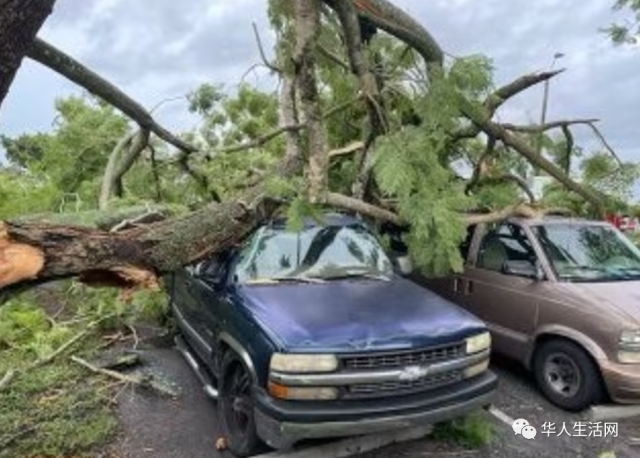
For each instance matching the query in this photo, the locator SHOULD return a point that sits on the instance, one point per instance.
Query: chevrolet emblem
(411, 373)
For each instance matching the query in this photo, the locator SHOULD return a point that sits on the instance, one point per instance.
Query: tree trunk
(20, 21)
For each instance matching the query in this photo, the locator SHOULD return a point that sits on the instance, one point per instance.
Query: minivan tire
(235, 408)
(567, 375)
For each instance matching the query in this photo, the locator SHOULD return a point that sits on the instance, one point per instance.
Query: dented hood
(343, 316)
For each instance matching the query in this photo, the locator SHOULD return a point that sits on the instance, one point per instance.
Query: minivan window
(507, 242)
(588, 252)
(320, 252)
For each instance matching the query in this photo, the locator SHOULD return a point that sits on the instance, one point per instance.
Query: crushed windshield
(580, 252)
(313, 255)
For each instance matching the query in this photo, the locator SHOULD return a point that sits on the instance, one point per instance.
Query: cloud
(161, 49)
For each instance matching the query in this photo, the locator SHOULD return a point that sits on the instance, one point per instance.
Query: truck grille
(403, 359)
(371, 390)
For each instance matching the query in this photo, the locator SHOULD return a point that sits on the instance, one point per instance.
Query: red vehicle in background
(625, 223)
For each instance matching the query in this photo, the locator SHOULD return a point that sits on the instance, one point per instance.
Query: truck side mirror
(403, 264)
(210, 271)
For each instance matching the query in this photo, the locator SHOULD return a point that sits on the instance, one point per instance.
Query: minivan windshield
(315, 254)
(589, 252)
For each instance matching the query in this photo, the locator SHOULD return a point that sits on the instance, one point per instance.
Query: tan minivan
(561, 296)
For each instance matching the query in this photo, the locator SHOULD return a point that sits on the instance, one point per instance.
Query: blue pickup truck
(315, 333)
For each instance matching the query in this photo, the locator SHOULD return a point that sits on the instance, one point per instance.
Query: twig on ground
(138, 380)
(13, 373)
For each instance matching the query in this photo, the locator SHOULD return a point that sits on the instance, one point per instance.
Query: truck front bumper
(283, 423)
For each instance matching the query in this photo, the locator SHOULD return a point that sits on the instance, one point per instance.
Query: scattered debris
(221, 444)
(146, 381)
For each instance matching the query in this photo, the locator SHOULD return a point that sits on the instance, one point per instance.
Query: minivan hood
(342, 316)
(619, 297)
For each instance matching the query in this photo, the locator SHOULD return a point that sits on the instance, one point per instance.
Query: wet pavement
(159, 427)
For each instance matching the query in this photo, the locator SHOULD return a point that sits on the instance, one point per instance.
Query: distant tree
(629, 30)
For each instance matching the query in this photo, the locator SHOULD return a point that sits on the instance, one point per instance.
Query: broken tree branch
(393, 20)
(136, 379)
(529, 153)
(496, 99)
(346, 150)
(257, 142)
(120, 162)
(362, 207)
(537, 128)
(505, 177)
(61, 63)
(201, 178)
(12, 374)
(478, 170)
(263, 55)
(136, 257)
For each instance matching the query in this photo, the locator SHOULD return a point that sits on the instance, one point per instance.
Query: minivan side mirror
(525, 269)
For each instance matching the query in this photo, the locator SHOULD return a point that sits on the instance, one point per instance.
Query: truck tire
(567, 375)
(235, 407)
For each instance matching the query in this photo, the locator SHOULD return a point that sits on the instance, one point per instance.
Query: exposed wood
(58, 61)
(20, 21)
(18, 261)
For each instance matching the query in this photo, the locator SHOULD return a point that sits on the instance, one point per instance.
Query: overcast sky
(157, 49)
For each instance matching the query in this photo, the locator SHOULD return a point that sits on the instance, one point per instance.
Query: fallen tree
(33, 252)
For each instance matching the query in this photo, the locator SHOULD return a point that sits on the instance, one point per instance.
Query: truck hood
(621, 298)
(343, 316)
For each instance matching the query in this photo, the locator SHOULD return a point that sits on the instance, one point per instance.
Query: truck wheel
(235, 408)
(567, 375)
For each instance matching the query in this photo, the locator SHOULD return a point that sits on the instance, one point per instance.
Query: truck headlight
(478, 343)
(294, 363)
(629, 347)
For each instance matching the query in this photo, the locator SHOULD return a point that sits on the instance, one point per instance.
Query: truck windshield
(315, 254)
(583, 252)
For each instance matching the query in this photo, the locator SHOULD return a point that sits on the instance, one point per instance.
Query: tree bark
(20, 21)
(121, 160)
(307, 14)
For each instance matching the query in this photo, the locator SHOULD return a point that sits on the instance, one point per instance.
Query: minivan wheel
(567, 375)
(235, 408)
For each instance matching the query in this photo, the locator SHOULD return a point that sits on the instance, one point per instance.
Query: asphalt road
(187, 428)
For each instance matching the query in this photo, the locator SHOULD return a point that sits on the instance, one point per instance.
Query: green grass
(59, 409)
(473, 431)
